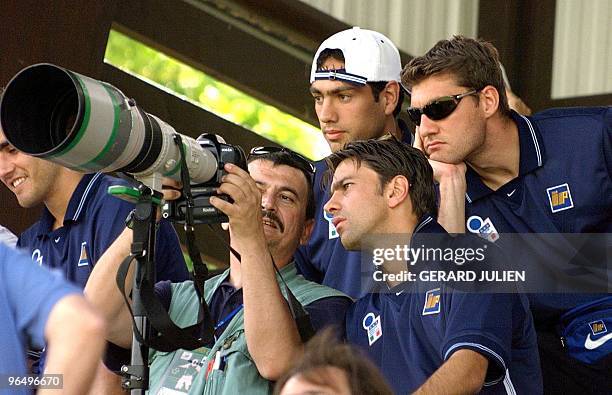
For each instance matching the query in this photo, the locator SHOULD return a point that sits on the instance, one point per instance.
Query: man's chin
(349, 244)
(443, 158)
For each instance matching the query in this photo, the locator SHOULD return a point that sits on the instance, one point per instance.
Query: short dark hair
(286, 158)
(474, 63)
(376, 86)
(390, 158)
(323, 351)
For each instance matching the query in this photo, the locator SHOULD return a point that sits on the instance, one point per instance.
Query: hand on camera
(245, 212)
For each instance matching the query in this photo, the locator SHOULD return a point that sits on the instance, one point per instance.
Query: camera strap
(297, 310)
(168, 336)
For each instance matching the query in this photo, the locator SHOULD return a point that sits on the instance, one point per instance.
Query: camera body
(203, 211)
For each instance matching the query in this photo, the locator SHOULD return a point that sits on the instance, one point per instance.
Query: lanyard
(228, 317)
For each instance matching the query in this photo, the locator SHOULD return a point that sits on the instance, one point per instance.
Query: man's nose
(327, 111)
(268, 202)
(332, 205)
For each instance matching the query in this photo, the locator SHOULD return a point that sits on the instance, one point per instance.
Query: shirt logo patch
(560, 197)
(37, 257)
(83, 259)
(598, 327)
(332, 233)
(432, 302)
(372, 325)
(483, 228)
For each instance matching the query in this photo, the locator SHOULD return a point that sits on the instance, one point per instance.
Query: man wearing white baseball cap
(354, 81)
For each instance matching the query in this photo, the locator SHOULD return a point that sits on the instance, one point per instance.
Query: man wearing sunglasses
(508, 173)
(256, 337)
(354, 82)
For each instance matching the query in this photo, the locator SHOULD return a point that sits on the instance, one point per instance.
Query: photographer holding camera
(256, 338)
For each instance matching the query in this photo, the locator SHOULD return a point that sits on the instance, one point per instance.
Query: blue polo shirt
(564, 186)
(324, 259)
(408, 337)
(27, 297)
(92, 222)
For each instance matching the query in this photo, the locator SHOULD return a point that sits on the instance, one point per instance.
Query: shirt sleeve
(169, 260)
(304, 265)
(110, 222)
(327, 312)
(32, 292)
(481, 323)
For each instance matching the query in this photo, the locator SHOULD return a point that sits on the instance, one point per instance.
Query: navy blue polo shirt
(564, 186)
(92, 222)
(409, 337)
(324, 259)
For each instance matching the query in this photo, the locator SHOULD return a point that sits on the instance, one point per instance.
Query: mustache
(271, 215)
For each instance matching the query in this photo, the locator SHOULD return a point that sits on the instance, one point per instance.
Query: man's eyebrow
(3, 143)
(338, 184)
(282, 189)
(289, 189)
(335, 91)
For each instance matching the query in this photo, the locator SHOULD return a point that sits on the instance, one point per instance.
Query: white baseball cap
(369, 56)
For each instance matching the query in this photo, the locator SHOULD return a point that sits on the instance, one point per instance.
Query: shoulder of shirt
(572, 112)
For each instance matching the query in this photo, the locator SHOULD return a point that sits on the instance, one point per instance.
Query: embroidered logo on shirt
(483, 228)
(83, 259)
(432, 302)
(373, 327)
(597, 328)
(37, 257)
(332, 232)
(560, 197)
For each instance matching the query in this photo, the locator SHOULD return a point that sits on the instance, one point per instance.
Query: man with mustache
(354, 82)
(509, 173)
(426, 336)
(256, 337)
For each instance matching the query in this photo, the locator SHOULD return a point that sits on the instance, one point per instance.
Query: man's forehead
(333, 86)
(284, 176)
(3, 141)
(347, 168)
(433, 87)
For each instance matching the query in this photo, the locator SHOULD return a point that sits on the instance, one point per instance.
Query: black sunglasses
(259, 151)
(438, 109)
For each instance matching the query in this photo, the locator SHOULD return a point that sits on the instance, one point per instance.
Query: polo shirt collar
(76, 205)
(532, 156)
(78, 201)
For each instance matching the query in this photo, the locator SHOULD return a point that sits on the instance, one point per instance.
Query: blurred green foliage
(217, 97)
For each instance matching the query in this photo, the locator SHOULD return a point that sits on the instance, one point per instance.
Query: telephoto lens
(87, 125)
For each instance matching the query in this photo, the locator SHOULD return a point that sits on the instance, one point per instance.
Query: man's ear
(390, 95)
(489, 98)
(308, 227)
(397, 191)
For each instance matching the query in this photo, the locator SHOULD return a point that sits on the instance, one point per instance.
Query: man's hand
(451, 178)
(245, 212)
